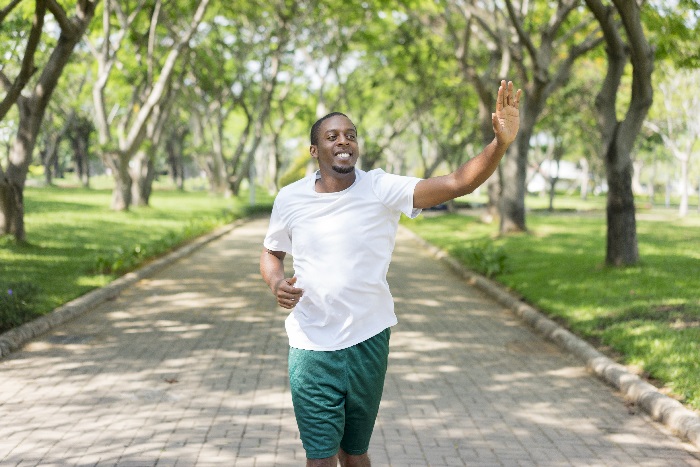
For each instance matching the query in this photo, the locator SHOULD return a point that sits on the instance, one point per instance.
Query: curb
(660, 407)
(17, 337)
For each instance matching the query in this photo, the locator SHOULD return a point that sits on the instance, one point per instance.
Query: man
(340, 226)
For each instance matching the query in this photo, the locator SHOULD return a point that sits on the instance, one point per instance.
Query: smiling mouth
(343, 156)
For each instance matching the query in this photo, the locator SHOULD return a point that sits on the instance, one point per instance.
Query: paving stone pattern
(188, 368)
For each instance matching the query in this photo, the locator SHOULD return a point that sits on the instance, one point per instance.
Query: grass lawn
(646, 316)
(75, 243)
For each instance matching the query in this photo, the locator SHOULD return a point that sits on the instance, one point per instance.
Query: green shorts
(336, 395)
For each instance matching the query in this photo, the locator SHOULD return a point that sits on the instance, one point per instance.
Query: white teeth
(344, 155)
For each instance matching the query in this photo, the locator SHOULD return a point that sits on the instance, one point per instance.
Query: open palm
(506, 120)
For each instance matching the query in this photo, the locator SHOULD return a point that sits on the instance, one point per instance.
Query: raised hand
(506, 120)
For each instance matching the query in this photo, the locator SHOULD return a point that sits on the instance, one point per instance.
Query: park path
(188, 368)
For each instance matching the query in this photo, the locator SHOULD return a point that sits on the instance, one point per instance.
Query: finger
(511, 95)
(287, 302)
(517, 98)
(291, 295)
(499, 98)
(496, 123)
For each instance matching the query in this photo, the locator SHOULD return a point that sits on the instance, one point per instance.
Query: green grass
(647, 316)
(75, 243)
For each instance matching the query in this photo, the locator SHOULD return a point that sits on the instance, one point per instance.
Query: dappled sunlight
(469, 374)
(191, 365)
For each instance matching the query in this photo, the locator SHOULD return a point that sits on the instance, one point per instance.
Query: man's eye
(351, 137)
(332, 137)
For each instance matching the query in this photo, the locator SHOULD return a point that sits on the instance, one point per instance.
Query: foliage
(17, 303)
(76, 243)
(484, 257)
(296, 171)
(674, 28)
(122, 259)
(648, 315)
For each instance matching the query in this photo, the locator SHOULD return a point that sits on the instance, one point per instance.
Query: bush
(485, 258)
(17, 304)
(124, 259)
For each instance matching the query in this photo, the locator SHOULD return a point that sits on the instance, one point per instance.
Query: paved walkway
(188, 368)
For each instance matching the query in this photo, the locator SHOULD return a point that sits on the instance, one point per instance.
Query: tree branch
(27, 69)
(522, 35)
(67, 26)
(6, 11)
(560, 16)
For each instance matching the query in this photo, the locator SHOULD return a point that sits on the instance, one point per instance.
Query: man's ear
(313, 150)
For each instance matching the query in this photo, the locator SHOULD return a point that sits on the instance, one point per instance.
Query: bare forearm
(470, 175)
(271, 269)
(464, 180)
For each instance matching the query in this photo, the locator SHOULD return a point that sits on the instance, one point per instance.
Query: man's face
(337, 149)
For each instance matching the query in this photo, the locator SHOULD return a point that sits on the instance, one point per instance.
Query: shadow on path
(188, 368)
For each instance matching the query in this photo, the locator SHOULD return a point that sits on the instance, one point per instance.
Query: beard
(343, 170)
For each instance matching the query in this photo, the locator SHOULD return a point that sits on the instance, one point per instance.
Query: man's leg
(325, 462)
(317, 382)
(348, 460)
(367, 365)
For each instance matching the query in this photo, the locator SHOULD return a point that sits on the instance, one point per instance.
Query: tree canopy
(230, 89)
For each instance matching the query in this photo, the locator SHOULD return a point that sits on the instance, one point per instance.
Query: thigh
(367, 365)
(318, 385)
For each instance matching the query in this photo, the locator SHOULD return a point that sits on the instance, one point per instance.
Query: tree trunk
(7, 206)
(173, 148)
(142, 175)
(493, 184)
(622, 226)
(218, 184)
(683, 208)
(618, 137)
(19, 160)
(79, 135)
(552, 188)
(585, 177)
(121, 194)
(512, 207)
(31, 114)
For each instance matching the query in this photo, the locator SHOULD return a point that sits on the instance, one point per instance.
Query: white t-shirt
(341, 244)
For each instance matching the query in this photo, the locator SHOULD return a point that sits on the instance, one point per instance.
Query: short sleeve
(395, 191)
(278, 237)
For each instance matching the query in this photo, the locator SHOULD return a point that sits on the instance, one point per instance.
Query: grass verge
(75, 243)
(646, 316)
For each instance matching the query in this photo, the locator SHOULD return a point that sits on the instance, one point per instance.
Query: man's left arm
(506, 121)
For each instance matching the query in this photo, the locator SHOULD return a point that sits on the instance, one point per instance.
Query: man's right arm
(272, 271)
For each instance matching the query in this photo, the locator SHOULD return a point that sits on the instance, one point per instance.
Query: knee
(325, 462)
(349, 460)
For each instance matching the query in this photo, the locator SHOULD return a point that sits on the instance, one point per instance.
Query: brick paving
(188, 368)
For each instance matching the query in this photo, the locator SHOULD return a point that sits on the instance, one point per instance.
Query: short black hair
(316, 126)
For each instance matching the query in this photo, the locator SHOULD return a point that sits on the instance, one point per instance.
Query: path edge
(660, 407)
(16, 338)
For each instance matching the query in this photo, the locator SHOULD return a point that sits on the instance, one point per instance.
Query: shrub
(485, 258)
(17, 303)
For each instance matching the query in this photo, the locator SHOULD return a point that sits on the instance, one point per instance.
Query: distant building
(567, 173)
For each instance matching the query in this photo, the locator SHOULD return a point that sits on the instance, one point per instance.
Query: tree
(121, 137)
(27, 67)
(618, 136)
(535, 44)
(543, 56)
(31, 108)
(678, 123)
